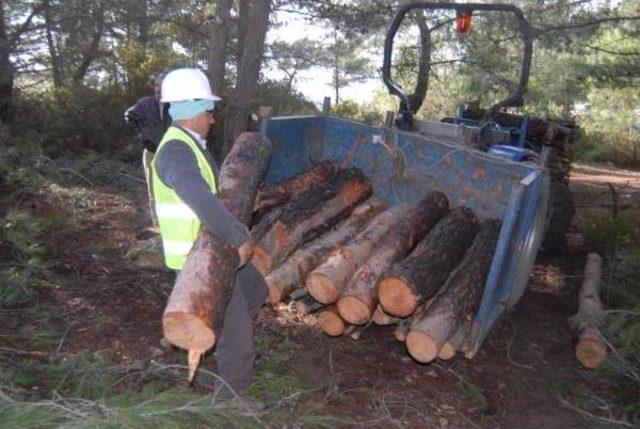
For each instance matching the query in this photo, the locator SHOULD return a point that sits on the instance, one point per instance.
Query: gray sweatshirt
(177, 167)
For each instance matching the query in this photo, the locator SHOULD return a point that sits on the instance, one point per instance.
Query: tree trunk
(421, 274)
(459, 299)
(219, 45)
(197, 304)
(591, 348)
(311, 213)
(360, 296)
(279, 193)
(326, 281)
(330, 321)
(456, 341)
(92, 51)
(57, 69)
(257, 25)
(282, 280)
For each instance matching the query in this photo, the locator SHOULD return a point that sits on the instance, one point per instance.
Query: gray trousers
(235, 350)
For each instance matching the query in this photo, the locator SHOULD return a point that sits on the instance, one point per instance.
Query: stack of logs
(322, 239)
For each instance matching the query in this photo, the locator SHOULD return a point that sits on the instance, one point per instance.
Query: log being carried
(326, 281)
(296, 267)
(359, 298)
(197, 304)
(310, 214)
(459, 298)
(411, 281)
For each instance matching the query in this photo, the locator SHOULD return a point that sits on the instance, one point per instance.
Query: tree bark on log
(409, 282)
(330, 321)
(197, 304)
(456, 341)
(307, 216)
(279, 193)
(292, 272)
(459, 299)
(360, 296)
(326, 281)
(591, 349)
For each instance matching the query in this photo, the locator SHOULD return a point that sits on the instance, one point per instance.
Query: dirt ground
(372, 381)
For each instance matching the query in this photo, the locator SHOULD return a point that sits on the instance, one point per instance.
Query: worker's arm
(177, 168)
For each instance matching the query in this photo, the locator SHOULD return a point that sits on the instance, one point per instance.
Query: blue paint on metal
(497, 264)
(508, 152)
(405, 166)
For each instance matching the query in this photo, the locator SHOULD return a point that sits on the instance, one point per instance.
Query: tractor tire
(559, 217)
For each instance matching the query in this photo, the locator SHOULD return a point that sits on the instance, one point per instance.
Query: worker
(185, 186)
(149, 118)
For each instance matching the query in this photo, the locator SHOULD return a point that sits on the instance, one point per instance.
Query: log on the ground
(591, 348)
(292, 272)
(198, 302)
(420, 275)
(326, 281)
(459, 299)
(279, 193)
(330, 321)
(306, 305)
(360, 296)
(456, 342)
(310, 214)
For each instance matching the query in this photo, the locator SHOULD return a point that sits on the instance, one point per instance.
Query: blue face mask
(188, 109)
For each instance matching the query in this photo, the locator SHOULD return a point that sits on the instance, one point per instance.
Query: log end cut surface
(421, 347)
(331, 323)
(590, 352)
(354, 310)
(187, 331)
(447, 351)
(397, 297)
(322, 288)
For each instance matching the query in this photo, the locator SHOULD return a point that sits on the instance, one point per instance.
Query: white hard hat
(186, 84)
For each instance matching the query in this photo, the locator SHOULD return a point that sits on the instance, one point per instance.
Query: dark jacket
(145, 119)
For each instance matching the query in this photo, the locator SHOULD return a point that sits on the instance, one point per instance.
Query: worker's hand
(245, 251)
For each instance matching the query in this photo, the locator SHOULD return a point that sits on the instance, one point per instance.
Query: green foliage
(608, 233)
(284, 100)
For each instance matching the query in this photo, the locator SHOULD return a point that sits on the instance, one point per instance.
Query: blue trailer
(405, 166)
(474, 164)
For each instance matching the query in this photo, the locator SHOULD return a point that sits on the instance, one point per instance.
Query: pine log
(197, 304)
(360, 296)
(456, 341)
(292, 272)
(279, 193)
(326, 281)
(417, 277)
(263, 226)
(459, 299)
(306, 305)
(379, 317)
(310, 214)
(330, 321)
(591, 349)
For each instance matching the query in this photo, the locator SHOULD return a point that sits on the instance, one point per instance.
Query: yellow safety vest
(179, 225)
